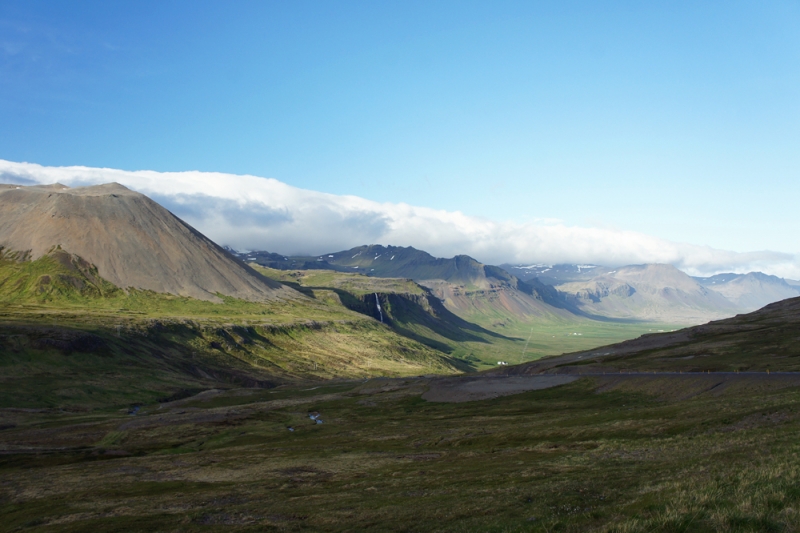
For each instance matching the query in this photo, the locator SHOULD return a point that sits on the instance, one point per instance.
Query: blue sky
(676, 120)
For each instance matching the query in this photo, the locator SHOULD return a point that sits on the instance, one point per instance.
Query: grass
(409, 310)
(59, 286)
(69, 338)
(355, 284)
(552, 334)
(563, 459)
(38, 368)
(766, 340)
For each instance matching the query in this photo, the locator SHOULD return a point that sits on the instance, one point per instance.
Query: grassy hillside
(583, 457)
(767, 339)
(68, 337)
(407, 308)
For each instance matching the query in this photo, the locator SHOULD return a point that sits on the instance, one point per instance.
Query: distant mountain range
(653, 292)
(747, 292)
(466, 286)
(751, 291)
(647, 292)
(554, 274)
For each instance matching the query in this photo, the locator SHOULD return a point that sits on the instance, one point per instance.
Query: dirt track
(666, 384)
(482, 388)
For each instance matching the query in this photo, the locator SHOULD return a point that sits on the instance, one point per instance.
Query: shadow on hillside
(307, 291)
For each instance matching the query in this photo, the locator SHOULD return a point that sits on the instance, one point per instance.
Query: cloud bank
(254, 213)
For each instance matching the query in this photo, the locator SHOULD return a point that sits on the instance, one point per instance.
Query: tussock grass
(562, 459)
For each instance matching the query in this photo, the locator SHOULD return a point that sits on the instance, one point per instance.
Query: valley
(399, 267)
(244, 393)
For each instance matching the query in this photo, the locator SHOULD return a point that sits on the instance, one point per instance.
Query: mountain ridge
(750, 291)
(747, 292)
(467, 286)
(651, 292)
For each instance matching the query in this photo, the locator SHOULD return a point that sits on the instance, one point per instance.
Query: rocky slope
(555, 274)
(130, 239)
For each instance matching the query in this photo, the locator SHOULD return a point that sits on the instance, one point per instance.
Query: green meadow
(586, 456)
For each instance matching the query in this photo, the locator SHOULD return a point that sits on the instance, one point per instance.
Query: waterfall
(378, 303)
(521, 359)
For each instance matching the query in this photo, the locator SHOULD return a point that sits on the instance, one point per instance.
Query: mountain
(130, 239)
(747, 292)
(467, 287)
(554, 274)
(106, 298)
(750, 291)
(282, 262)
(388, 262)
(647, 292)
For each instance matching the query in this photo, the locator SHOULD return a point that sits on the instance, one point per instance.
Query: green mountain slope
(767, 339)
(67, 336)
(408, 308)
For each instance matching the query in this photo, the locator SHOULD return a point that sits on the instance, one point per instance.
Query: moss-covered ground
(579, 457)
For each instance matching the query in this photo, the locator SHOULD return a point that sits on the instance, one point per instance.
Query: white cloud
(253, 213)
